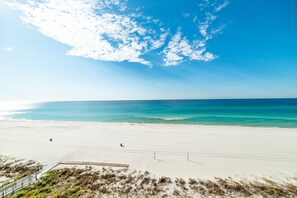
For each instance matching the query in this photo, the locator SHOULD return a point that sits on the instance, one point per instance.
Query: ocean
(243, 112)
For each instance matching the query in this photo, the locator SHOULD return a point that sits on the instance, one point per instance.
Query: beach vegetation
(108, 182)
(13, 169)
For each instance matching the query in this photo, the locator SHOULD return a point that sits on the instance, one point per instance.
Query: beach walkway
(94, 164)
(19, 184)
(31, 179)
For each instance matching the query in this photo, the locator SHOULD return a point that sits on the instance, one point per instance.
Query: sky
(131, 49)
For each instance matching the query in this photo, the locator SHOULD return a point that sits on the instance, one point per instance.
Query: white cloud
(203, 26)
(8, 49)
(186, 15)
(179, 49)
(160, 42)
(90, 30)
(195, 18)
(108, 30)
(209, 19)
(112, 3)
(217, 30)
(219, 7)
(204, 4)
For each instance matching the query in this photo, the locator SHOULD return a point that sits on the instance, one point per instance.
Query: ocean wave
(248, 117)
(174, 118)
(162, 118)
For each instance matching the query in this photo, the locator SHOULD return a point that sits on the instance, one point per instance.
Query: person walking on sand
(121, 145)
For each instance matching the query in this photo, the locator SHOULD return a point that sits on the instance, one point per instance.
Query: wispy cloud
(219, 7)
(103, 4)
(180, 49)
(8, 49)
(210, 17)
(108, 30)
(203, 26)
(92, 30)
(205, 4)
(186, 15)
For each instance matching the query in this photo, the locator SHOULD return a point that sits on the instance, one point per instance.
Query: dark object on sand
(51, 139)
(121, 145)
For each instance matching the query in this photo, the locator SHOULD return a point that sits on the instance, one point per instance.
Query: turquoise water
(245, 112)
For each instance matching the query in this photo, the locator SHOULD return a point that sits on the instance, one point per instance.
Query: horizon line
(172, 99)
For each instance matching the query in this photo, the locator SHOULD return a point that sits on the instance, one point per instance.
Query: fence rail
(19, 184)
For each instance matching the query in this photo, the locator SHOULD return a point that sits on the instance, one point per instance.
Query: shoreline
(214, 151)
(148, 123)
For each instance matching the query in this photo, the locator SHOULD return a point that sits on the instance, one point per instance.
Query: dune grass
(88, 182)
(12, 169)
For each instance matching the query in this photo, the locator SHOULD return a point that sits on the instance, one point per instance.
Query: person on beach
(121, 145)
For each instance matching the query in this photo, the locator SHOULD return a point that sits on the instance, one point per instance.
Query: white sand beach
(214, 151)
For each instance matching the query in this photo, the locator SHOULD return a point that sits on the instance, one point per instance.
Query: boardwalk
(95, 164)
(30, 179)
(19, 184)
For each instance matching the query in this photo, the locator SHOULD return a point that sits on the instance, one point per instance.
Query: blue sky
(111, 49)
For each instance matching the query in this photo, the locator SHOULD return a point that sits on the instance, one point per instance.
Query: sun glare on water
(8, 109)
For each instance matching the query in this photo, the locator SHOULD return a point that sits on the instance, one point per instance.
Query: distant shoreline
(147, 123)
